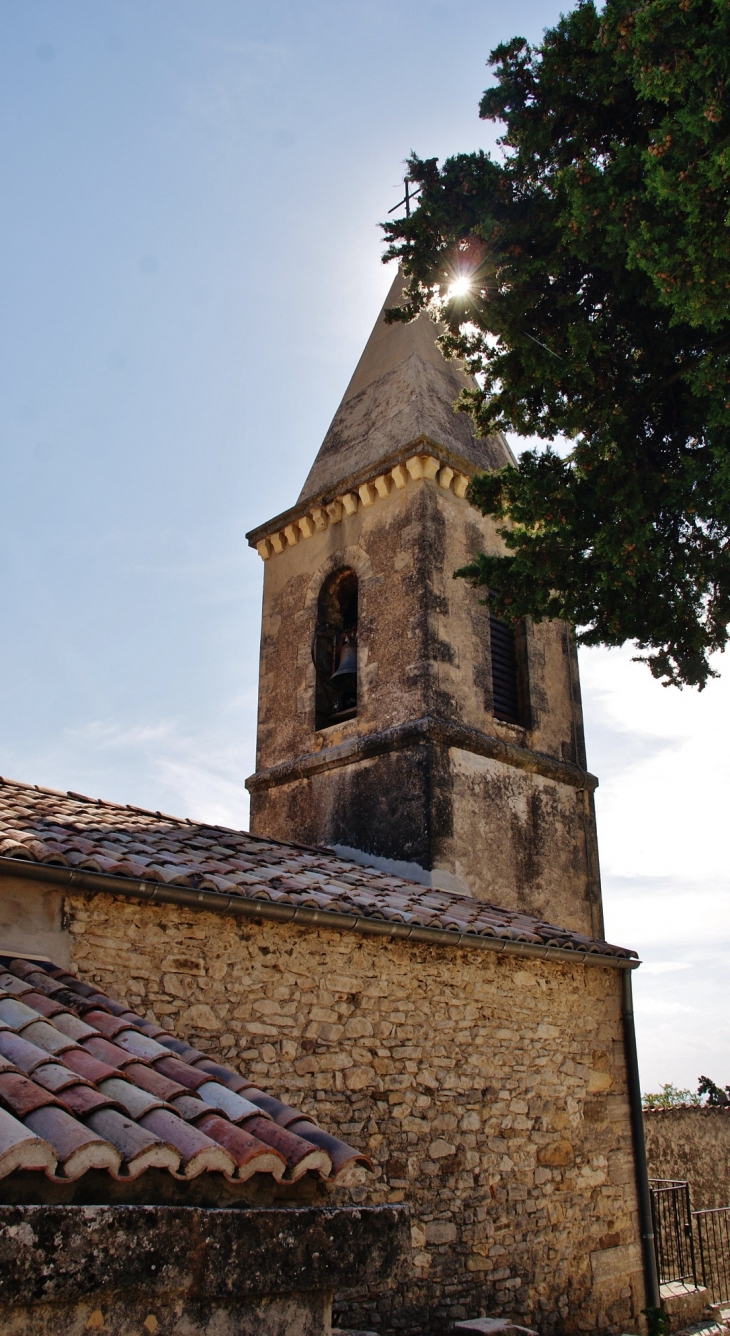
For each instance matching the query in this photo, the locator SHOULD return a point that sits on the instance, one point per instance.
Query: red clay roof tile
(223, 1074)
(21, 1148)
(140, 1045)
(78, 1147)
(154, 1082)
(197, 1151)
(107, 1052)
(226, 1101)
(181, 1049)
(55, 1076)
(190, 1107)
(72, 1026)
(179, 1071)
(341, 1155)
(15, 1013)
(47, 1036)
(83, 1099)
(45, 1006)
(133, 1100)
(300, 1155)
(283, 1114)
(139, 1148)
(250, 1154)
(95, 1105)
(85, 1064)
(21, 1052)
(20, 1095)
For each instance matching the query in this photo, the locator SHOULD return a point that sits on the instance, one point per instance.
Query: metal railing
(671, 1210)
(713, 1234)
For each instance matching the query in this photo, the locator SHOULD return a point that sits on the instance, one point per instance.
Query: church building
(403, 964)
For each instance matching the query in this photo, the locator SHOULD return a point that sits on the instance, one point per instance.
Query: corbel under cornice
(421, 459)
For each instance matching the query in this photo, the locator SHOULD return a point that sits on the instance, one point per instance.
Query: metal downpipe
(651, 1275)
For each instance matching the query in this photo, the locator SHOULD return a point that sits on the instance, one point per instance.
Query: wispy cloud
(164, 764)
(656, 1006)
(661, 822)
(197, 774)
(666, 966)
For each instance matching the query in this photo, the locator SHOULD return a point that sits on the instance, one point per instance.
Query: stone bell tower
(399, 723)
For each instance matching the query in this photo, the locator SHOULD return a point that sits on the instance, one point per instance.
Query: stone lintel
(414, 733)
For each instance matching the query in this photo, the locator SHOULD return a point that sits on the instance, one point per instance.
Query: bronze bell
(347, 667)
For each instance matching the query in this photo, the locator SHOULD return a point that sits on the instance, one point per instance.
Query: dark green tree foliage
(715, 1095)
(599, 256)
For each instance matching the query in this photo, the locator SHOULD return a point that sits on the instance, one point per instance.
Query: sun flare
(460, 286)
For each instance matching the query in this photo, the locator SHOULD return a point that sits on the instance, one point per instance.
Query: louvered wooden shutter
(504, 672)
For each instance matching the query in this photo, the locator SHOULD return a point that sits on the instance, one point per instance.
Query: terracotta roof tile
(177, 1070)
(83, 1099)
(134, 1101)
(55, 1076)
(104, 1051)
(86, 1065)
(300, 1154)
(129, 842)
(198, 1152)
(250, 1155)
(78, 1147)
(24, 1055)
(20, 1095)
(226, 1101)
(139, 1148)
(46, 1036)
(191, 1108)
(154, 1082)
(73, 1099)
(21, 1148)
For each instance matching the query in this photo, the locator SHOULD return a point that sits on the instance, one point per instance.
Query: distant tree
(585, 279)
(669, 1097)
(714, 1095)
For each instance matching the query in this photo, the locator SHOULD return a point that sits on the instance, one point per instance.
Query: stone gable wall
(691, 1144)
(489, 1091)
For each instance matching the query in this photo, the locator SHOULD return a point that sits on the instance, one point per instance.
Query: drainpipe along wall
(651, 1277)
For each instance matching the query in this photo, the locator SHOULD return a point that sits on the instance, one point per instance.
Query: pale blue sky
(189, 267)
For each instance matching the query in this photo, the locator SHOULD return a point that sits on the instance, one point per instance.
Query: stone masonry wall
(692, 1144)
(489, 1091)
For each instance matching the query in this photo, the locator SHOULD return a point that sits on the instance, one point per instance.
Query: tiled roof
(44, 826)
(86, 1084)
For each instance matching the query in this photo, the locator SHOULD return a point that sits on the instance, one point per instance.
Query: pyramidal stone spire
(402, 392)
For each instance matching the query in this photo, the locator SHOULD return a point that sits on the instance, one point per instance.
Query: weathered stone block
(124, 1269)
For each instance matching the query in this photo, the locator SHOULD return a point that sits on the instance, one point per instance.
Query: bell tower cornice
(303, 521)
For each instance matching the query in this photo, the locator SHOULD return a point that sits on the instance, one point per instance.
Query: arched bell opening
(334, 650)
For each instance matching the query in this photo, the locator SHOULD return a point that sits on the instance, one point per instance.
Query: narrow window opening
(334, 650)
(505, 679)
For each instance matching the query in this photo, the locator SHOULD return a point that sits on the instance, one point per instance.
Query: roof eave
(241, 907)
